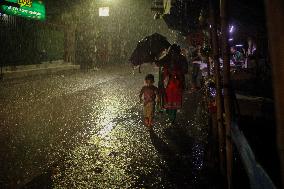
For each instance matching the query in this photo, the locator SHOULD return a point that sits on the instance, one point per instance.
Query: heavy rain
(85, 130)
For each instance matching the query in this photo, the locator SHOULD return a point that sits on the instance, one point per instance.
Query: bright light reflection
(110, 109)
(108, 126)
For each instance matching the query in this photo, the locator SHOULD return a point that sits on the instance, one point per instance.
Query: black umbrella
(148, 49)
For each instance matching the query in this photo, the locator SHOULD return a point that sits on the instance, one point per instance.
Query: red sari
(173, 77)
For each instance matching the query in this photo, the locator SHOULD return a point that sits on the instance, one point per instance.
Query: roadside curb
(37, 69)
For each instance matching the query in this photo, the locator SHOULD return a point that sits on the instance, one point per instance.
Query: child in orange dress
(149, 93)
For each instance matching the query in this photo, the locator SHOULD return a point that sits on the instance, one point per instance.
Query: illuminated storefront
(31, 9)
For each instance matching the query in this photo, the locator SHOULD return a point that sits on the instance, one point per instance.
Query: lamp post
(227, 87)
(104, 9)
(275, 16)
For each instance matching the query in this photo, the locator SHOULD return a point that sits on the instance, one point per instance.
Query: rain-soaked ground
(85, 130)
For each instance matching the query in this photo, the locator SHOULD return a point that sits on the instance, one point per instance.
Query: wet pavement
(85, 130)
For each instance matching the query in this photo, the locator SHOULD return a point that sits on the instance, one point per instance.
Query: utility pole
(275, 17)
(217, 77)
(227, 88)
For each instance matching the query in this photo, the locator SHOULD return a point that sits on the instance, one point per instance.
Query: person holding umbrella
(173, 67)
(173, 78)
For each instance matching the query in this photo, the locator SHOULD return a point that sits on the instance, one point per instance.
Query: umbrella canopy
(148, 49)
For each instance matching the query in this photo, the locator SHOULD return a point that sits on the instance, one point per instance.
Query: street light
(104, 11)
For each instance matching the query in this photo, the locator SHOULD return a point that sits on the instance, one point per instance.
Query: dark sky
(250, 12)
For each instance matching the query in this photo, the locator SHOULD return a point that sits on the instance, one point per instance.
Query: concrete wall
(25, 42)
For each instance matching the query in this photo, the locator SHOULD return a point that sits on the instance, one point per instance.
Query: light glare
(231, 29)
(104, 11)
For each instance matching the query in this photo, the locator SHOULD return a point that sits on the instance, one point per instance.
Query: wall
(24, 41)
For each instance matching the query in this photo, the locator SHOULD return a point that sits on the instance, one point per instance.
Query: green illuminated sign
(32, 9)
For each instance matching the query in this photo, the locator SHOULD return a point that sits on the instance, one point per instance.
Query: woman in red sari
(174, 66)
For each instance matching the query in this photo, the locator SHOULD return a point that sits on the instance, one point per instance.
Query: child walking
(150, 93)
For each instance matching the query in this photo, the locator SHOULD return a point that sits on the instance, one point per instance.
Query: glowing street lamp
(104, 11)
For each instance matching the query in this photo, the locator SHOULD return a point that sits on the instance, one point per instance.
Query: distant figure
(251, 55)
(150, 94)
(196, 62)
(185, 53)
(237, 57)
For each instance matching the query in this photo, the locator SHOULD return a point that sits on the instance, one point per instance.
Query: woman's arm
(162, 61)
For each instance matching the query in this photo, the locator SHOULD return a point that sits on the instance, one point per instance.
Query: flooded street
(85, 130)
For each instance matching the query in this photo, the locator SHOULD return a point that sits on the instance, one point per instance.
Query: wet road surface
(85, 130)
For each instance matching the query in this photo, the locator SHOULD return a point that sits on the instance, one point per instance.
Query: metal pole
(275, 26)
(227, 88)
(217, 76)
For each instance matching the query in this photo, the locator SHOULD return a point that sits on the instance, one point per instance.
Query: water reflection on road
(97, 138)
